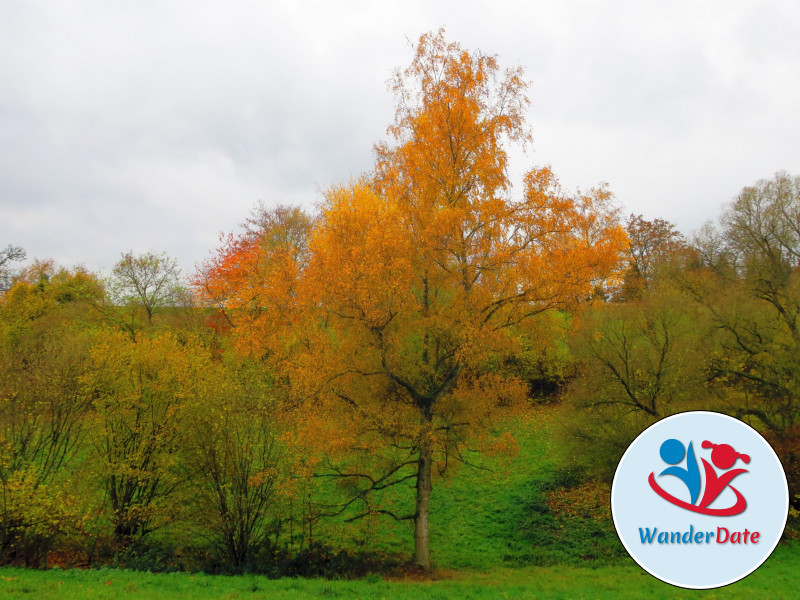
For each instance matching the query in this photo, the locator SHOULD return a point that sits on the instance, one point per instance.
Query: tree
(272, 251)
(8, 255)
(140, 388)
(145, 284)
(44, 346)
(756, 299)
(763, 226)
(651, 245)
(415, 278)
(750, 289)
(637, 362)
(233, 462)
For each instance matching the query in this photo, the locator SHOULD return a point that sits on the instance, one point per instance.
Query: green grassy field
(779, 577)
(494, 535)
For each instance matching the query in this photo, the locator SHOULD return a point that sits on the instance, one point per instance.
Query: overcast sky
(156, 125)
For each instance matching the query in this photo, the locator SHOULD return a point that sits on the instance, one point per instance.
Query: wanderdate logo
(699, 500)
(723, 457)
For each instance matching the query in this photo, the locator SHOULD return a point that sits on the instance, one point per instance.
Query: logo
(723, 456)
(699, 500)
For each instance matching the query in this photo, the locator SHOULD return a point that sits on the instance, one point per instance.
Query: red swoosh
(737, 508)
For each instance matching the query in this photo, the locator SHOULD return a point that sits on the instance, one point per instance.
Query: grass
(478, 517)
(778, 578)
(492, 514)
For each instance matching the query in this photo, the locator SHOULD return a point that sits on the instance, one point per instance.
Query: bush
(322, 560)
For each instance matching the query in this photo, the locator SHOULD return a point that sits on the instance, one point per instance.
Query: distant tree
(756, 300)
(224, 280)
(143, 284)
(713, 250)
(8, 255)
(763, 222)
(650, 245)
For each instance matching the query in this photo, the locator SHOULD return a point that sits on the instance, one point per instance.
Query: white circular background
(635, 505)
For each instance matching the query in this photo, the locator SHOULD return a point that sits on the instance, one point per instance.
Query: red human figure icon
(724, 457)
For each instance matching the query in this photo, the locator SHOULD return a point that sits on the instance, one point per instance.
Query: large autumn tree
(392, 315)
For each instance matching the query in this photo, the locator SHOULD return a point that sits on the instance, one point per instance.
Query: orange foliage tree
(394, 312)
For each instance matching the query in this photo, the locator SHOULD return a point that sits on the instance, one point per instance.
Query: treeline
(127, 410)
(119, 417)
(706, 324)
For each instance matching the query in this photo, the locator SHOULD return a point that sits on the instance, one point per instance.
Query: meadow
(779, 577)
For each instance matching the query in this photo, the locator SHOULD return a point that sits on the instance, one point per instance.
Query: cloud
(156, 125)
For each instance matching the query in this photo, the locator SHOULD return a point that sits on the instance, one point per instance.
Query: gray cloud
(157, 125)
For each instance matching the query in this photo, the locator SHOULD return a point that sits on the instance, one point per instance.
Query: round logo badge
(699, 500)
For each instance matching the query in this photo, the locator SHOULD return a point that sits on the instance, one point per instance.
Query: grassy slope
(483, 517)
(476, 517)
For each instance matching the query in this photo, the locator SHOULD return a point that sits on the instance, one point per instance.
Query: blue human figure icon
(672, 452)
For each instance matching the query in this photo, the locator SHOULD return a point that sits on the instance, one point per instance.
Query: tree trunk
(422, 555)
